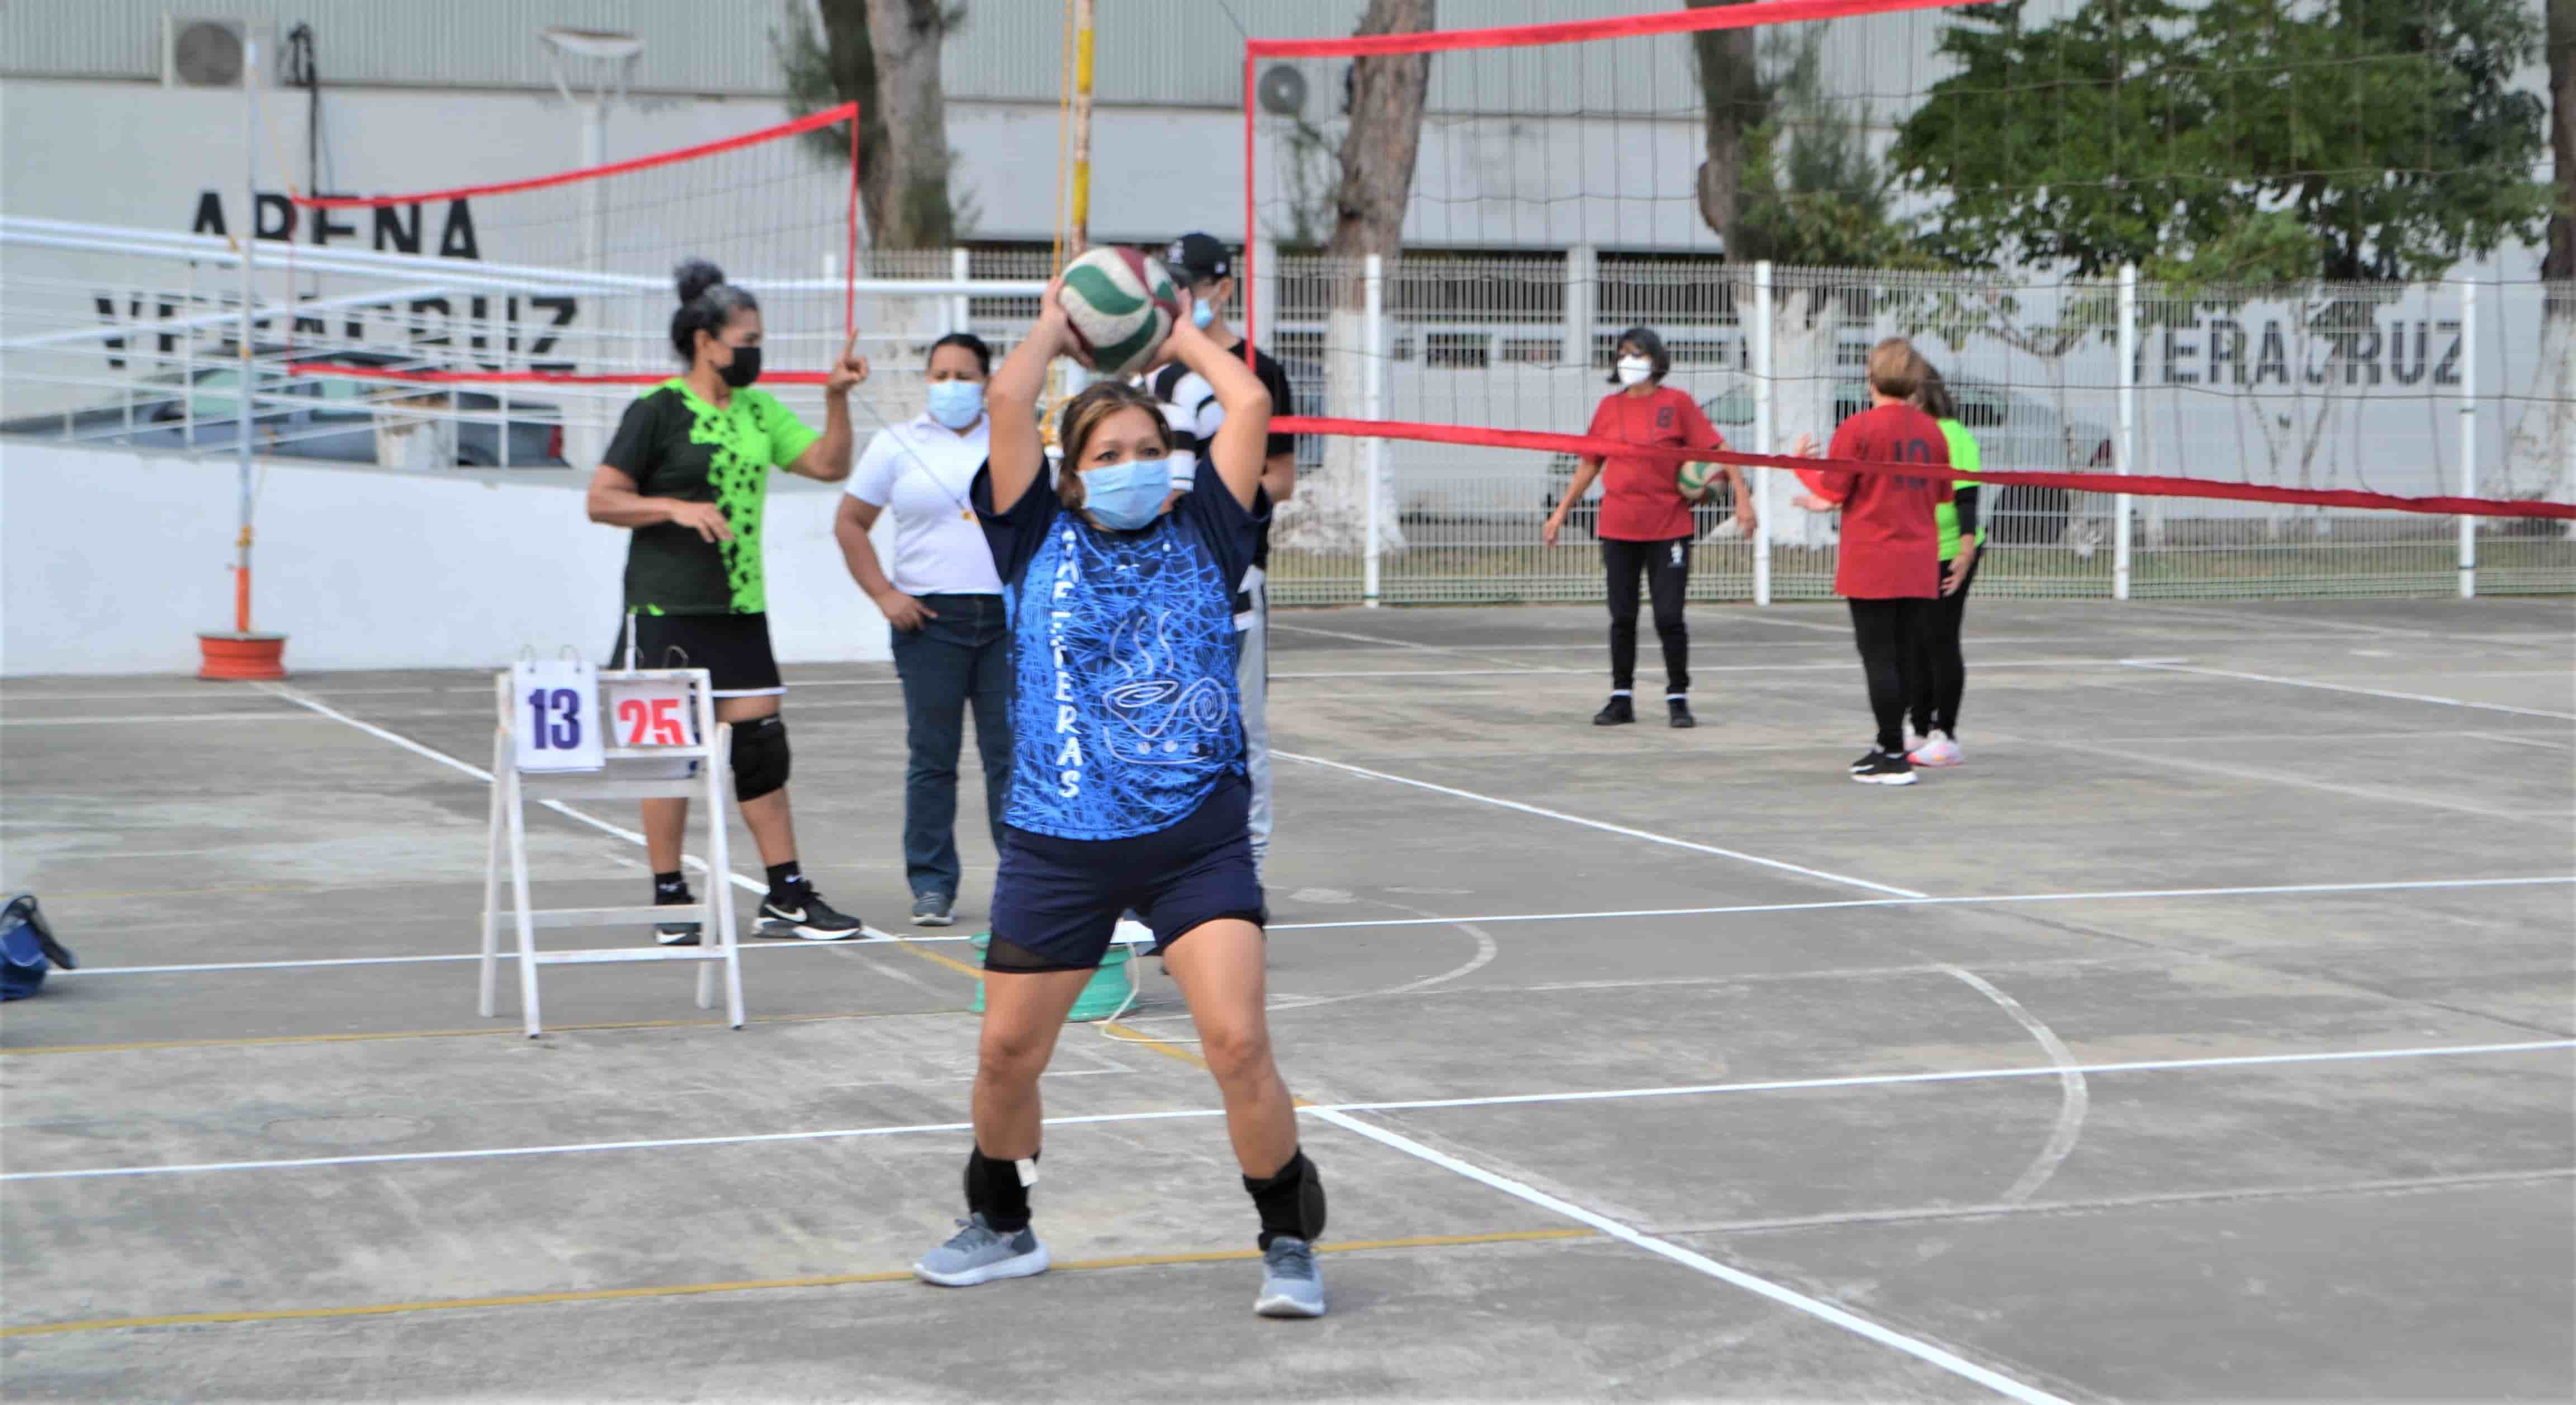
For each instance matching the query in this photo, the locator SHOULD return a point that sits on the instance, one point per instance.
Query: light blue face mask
(1203, 314)
(957, 404)
(1126, 496)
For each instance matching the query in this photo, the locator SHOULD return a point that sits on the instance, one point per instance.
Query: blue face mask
(957, 404)
(1126, 496)
(1203, 314)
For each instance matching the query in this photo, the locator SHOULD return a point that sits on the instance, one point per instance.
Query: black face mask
(745, 368)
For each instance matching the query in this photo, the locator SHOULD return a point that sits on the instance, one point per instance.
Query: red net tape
(2140, 485)
(1576, 31)
(846, 112)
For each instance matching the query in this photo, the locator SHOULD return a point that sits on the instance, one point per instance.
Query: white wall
(111, 561)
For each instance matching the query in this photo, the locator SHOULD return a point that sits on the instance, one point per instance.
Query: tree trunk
(2543, 450)
(1731, 102)
(913, 116)
(851, 56)
(1385, 136)
(2561, 260)
(1330, 511)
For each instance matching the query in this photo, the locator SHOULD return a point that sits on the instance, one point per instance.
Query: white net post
(598, 60)
(2127, 464)
(2468, 433)
(1373, 406)
(1765, 438)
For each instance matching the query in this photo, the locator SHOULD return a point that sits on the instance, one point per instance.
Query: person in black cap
(1190, 407)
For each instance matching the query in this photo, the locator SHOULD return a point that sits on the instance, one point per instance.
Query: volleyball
(1122, 304)
(1693, 478)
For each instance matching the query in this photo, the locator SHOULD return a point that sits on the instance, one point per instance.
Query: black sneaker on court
(1620, 710)
(798, 911)
(933, 910)
(675, 933)
(1679, 713)
(1883, 768)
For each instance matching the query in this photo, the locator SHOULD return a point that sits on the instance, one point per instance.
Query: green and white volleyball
(1122, 304)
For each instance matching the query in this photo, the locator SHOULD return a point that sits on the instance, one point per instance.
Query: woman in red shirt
(1645, 522)
(1890, 562)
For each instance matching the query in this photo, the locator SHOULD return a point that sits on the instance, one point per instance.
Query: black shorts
(733, 649)
(1058, 900)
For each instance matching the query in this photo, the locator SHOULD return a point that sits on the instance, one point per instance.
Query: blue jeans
(962, 657)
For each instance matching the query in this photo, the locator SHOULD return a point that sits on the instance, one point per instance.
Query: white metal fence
(2455, 387)
(131, 337)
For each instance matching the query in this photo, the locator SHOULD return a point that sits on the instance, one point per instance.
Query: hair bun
(695, 276)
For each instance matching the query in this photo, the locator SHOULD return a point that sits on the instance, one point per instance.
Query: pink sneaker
(1937, 752)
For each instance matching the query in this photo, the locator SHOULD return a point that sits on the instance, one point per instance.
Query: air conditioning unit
(201, 52)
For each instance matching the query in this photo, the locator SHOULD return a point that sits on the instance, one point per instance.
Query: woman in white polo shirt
(944, 600)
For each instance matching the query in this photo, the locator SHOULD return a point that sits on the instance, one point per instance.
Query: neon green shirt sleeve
(789, 436)
(1964, 457)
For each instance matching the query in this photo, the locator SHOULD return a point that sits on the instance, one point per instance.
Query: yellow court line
(835, 1280)
(258, 1040)
(950, 962)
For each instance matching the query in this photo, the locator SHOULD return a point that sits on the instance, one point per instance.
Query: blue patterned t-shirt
(1124, 713)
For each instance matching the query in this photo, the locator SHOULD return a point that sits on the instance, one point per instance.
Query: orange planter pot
(233, 657)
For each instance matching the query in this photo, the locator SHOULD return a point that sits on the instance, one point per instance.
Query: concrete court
(2152, 1177)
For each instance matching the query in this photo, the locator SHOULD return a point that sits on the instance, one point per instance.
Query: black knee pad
(759, 757)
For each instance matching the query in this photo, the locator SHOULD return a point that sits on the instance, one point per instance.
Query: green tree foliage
(1789, 169)
(2231, 140)
(1812, 194)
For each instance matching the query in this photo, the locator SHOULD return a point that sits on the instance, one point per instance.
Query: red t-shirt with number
(1639, 500)
(1891, 541)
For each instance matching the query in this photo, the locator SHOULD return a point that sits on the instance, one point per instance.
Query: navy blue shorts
(1058, 901)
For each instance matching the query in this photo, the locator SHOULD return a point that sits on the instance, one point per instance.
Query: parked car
(338, 423)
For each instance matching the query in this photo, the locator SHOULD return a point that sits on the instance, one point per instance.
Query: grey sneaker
(933, 910)
(1290, 1286)
(977, 1253)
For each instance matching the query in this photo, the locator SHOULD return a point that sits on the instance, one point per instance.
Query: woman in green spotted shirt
(688, 473)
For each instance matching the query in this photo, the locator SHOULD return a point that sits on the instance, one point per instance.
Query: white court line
(1869, 1080)
(2273, 777)
(2345, 626)
(1276, 627)
(878, 938)
(1787, 1297)
(2164, 667)
(2074, 1098)
(155, 717)
(1697, 669)
(1603, 825)
(749, 885)
(2511, 740)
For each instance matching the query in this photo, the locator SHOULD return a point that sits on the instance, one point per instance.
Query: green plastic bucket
(1110, 986)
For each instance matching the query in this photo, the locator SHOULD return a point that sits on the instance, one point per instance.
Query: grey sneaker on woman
(1290, 1286)
(978, 1253)
(933, 910)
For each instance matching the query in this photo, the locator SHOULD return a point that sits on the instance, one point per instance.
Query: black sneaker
(1883, 768)
(675, 933)
(798, 911)
(1679, 713)
(932, 910)
(1620, 710)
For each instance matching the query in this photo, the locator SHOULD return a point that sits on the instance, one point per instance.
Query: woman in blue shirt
(1128, 786)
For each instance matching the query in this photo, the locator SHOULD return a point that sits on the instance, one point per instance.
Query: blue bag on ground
(27, 949)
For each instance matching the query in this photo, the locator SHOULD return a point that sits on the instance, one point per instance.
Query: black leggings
(1888, 632)
(1940, 670)
(1667, 568)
